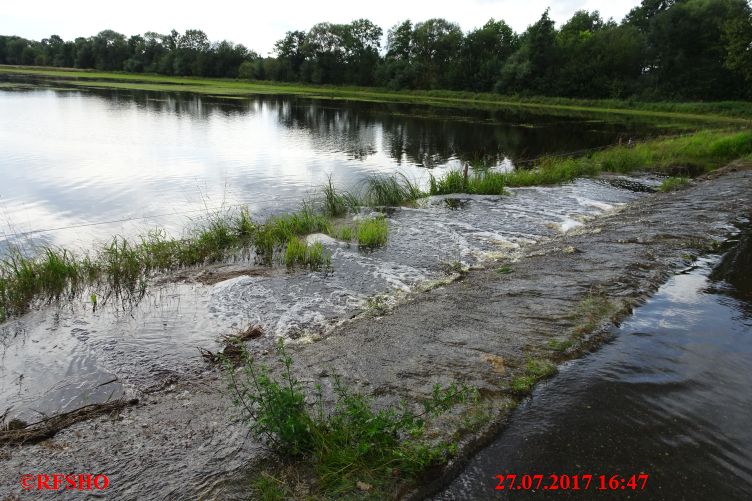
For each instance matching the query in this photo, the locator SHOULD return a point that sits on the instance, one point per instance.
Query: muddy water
(669, 397)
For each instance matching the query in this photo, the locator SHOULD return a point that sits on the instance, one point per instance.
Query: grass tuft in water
(300, 253)
(478, 182)
(372, 232)
(535, 370)
(673, 183)
(591, 311)
(391, 191)
(335, 203)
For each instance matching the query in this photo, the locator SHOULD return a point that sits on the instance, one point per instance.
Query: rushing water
(669, 397)
(72, 159)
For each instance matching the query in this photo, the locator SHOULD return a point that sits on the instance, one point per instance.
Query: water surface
(669, 397)
(94, 163)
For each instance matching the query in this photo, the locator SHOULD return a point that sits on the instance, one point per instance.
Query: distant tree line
(663, 49)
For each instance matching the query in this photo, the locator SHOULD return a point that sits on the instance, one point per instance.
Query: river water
(85, 163)
(668, 397)
(99, 163)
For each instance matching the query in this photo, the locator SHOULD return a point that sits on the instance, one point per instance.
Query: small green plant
(479, 182)
(559, 344)
(344, 232)
(300, 253)
(346, 442)
(535, 370)
(372, 232)
(378, 305)
(590, 312)
(334, 203)
(269, 488)
(673, 183)
(504, 270)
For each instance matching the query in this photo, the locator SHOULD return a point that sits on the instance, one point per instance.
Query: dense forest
(663, 49)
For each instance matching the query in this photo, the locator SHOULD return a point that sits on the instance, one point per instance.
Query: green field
(725, 112)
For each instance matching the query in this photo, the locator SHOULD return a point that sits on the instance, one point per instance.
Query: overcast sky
(259, 26)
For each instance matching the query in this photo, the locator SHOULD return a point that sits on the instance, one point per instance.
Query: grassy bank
(682, 156)
(687, 155)
(718, 112)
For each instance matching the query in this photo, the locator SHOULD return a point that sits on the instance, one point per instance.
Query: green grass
(300, 253)
(478, 182)
(344, 444)
(719, 112)
(335, 203)
(372, 232)
(121, 267)
(691, 154)
(346, 233)
(391, 191)
(591, 311)
(535, 370)
(673, 183)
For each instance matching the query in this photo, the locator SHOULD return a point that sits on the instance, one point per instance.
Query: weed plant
(372, 232)
(673, 183)
(347, 442)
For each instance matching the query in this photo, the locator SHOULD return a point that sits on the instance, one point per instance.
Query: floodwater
(100, 163)
(84, 162)
(668, 397)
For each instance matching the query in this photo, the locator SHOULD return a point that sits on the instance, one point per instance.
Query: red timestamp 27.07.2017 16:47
(563, 482)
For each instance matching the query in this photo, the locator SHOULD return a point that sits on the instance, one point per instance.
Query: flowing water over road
(99, 156)
(669, 397)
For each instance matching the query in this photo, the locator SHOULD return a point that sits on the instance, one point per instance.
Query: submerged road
(180, 442)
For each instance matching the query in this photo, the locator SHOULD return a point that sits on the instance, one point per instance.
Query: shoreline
(228, 88)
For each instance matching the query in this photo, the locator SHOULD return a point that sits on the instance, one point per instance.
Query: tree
(532, 68)
(110, 50)
(688, 49)
(436, 46)
(738, 38)
(291, 54)
(484, 52)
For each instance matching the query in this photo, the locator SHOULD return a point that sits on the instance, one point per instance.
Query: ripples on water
(670, 397)
(72, 157)
(98, 156)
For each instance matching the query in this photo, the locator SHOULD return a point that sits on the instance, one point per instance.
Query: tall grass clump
(372, 232)
(346, 443)
(335, 203)
(54, 273)
(391, 191)
(122, 267)
(300, 253)
(479, 182)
